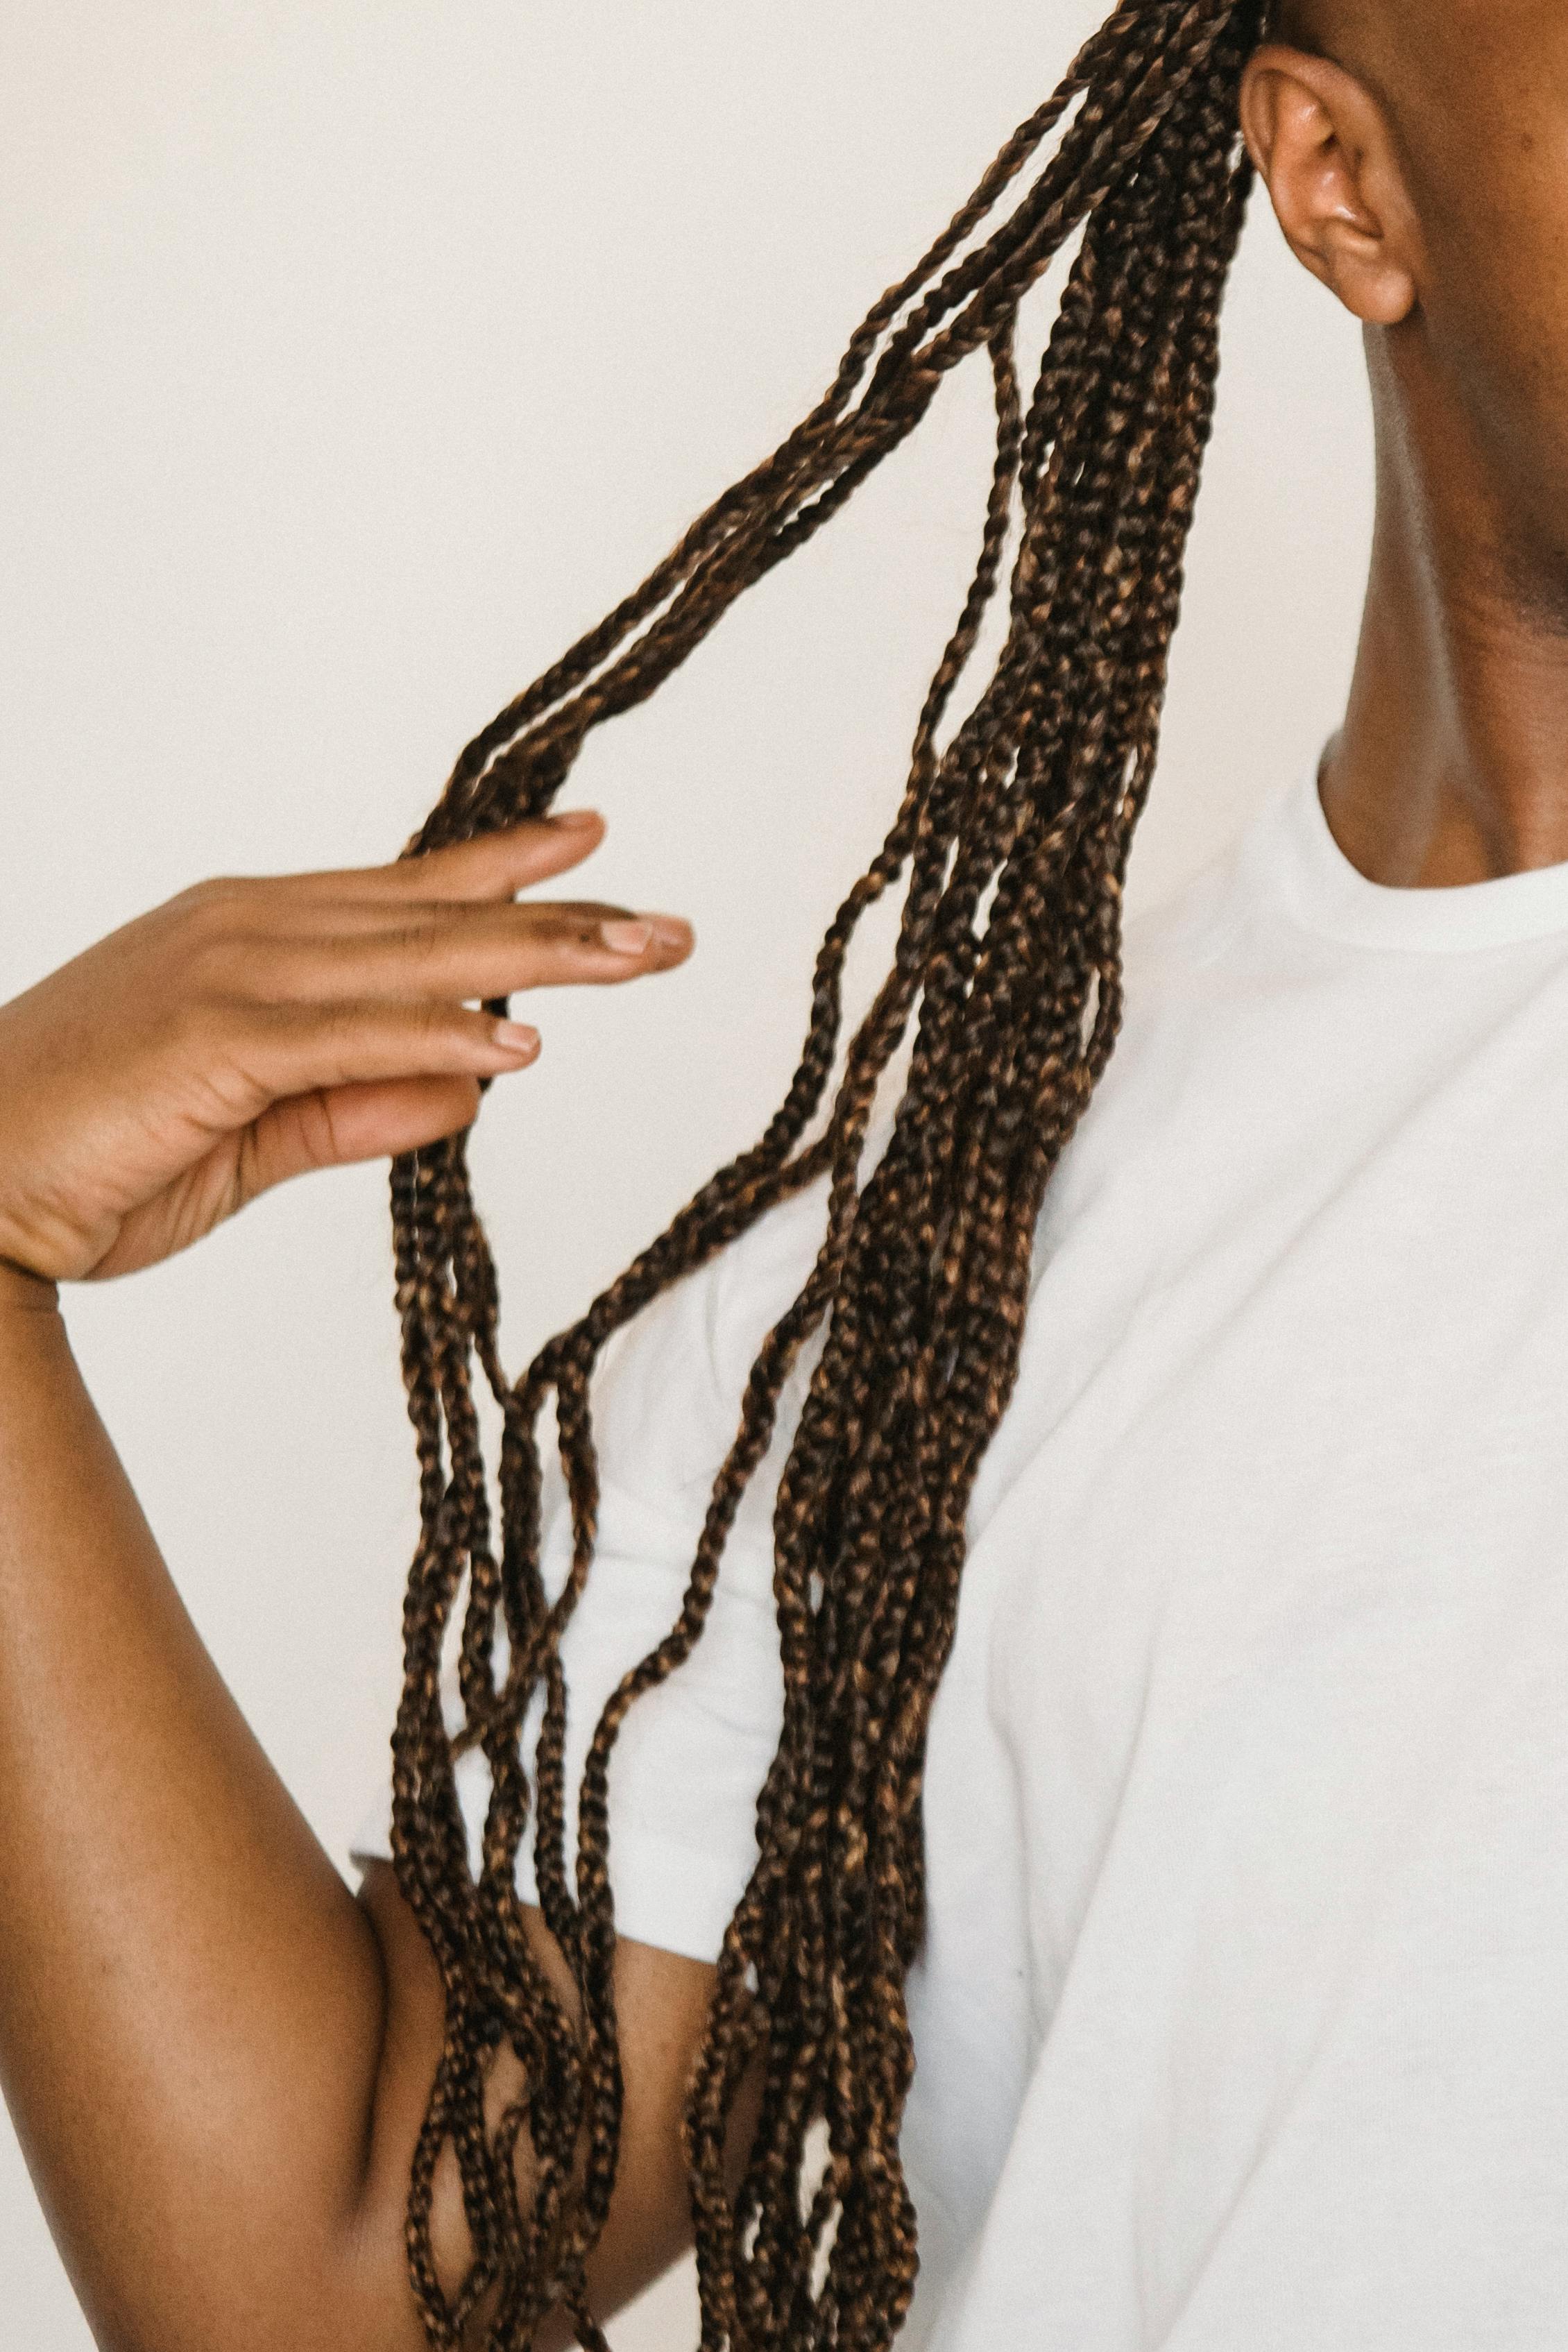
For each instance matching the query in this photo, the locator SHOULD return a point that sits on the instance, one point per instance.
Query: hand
(251, 1030)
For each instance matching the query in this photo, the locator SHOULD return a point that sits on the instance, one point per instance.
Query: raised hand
(251, 1030)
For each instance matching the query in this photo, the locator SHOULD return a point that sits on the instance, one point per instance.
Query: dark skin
(1418, 163)
(217, 2056)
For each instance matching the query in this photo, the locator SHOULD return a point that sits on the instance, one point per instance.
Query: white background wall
(358, 353)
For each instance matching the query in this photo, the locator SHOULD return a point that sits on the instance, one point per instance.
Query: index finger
(494, 866)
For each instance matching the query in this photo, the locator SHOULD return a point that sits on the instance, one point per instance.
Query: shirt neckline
(1332, 897)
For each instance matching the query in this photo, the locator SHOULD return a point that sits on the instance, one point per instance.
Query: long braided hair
(1010, 847)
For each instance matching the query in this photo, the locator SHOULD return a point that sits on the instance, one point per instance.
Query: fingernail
(516, 1037)
(626, 938)
(575, 820)
(671, 931)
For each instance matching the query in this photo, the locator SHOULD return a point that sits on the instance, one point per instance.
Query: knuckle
(215, 933)
(421, 930)
(221, 960)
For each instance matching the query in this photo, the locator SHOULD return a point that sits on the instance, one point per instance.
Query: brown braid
(1011, 846)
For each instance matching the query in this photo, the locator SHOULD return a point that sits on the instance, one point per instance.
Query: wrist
(26, 1294)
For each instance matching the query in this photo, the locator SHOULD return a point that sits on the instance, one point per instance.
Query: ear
(1322, 145)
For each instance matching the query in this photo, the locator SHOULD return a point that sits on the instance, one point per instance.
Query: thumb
(337, 1125)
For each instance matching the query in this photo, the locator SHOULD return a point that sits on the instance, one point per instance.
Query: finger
(469, 951)
(339, 1125)
(496, 865)
(272, 1052)
(326, 924)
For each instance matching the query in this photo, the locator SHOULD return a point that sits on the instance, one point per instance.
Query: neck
(1452, 764)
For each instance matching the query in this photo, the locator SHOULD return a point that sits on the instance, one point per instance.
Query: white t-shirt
(1242, 2024)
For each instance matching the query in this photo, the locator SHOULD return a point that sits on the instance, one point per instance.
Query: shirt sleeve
(692, 1754)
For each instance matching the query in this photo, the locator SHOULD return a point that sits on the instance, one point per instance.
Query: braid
(1011, 846)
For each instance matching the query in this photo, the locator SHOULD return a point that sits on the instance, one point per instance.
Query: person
(1165, 1926)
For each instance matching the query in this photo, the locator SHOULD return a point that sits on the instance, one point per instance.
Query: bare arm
(217, 2058)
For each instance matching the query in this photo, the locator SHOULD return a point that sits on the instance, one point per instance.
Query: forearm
(218, 2061)
(191, 2000)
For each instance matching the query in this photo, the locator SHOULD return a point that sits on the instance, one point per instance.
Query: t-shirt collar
(1290, 844)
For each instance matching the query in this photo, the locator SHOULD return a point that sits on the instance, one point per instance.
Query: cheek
(1486, 155)
(1496, 312)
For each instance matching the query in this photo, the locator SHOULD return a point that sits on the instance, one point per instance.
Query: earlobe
(1320, 143)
